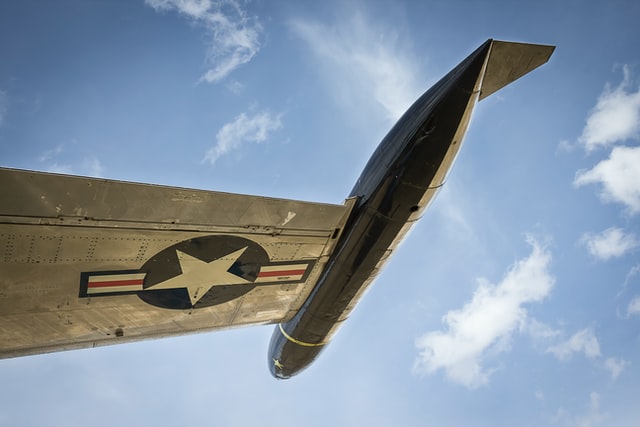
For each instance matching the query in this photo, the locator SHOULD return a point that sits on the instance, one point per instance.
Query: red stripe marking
(116, 283)
(282, 273)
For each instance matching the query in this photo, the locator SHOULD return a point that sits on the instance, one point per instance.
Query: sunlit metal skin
(401, 178)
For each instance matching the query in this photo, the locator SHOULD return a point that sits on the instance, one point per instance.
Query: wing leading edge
(88, 262)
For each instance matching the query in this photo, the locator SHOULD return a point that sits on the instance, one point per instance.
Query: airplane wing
(87, 262)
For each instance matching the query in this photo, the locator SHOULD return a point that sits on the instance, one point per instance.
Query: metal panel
(62, 235)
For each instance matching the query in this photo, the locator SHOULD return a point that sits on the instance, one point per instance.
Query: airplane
(88, 262)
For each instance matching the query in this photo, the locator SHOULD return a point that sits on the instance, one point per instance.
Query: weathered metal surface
(54, 229)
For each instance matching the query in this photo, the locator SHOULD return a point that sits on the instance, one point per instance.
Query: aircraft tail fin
(508, 61)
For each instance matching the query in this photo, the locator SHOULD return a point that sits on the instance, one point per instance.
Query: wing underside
(88, 262)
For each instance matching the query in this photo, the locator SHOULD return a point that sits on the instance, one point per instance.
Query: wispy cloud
(51, 154)
(234, 36)
(486, 322)
(52, 162)
(611, 243)
(634, 306)
(363, 62)
(615, 366)
(633, 272)
(592, 417)
(91, 166)
(616, 116)
(56, 167)
(196, 9)
(241, 130)
(583, 341)
(539, 330)
(619, 176)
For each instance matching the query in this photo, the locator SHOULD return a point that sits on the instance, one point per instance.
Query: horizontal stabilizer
(509, 61)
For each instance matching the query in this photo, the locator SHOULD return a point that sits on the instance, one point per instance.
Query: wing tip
(508, 61)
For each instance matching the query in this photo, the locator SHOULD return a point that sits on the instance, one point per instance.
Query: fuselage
(401, 178)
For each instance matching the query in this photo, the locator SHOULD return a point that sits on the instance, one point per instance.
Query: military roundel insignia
(196, 273)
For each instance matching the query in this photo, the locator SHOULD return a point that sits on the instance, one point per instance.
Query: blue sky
(514, 301)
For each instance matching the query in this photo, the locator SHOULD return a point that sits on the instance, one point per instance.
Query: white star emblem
(198, 276)
(277, 364)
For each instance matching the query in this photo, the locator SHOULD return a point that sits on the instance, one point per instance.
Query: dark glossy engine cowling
(397, 183)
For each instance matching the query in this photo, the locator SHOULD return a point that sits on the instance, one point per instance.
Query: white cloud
(615, 366)
(60, 168)
(196, 9)
(539, 330)
(634, 306)
(615, 118)
(243, 129)
(363, 62)
(235, 86)
(50, 154)
(619, 176)
(583, 341)
(592, 417)
(88, 166)
(51, 162)
(631, 274)
(611, 243)
(91, 166)
(486, 322)
(233, 35)
(566, 146)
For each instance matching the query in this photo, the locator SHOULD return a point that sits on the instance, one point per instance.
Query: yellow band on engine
(295, 341)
